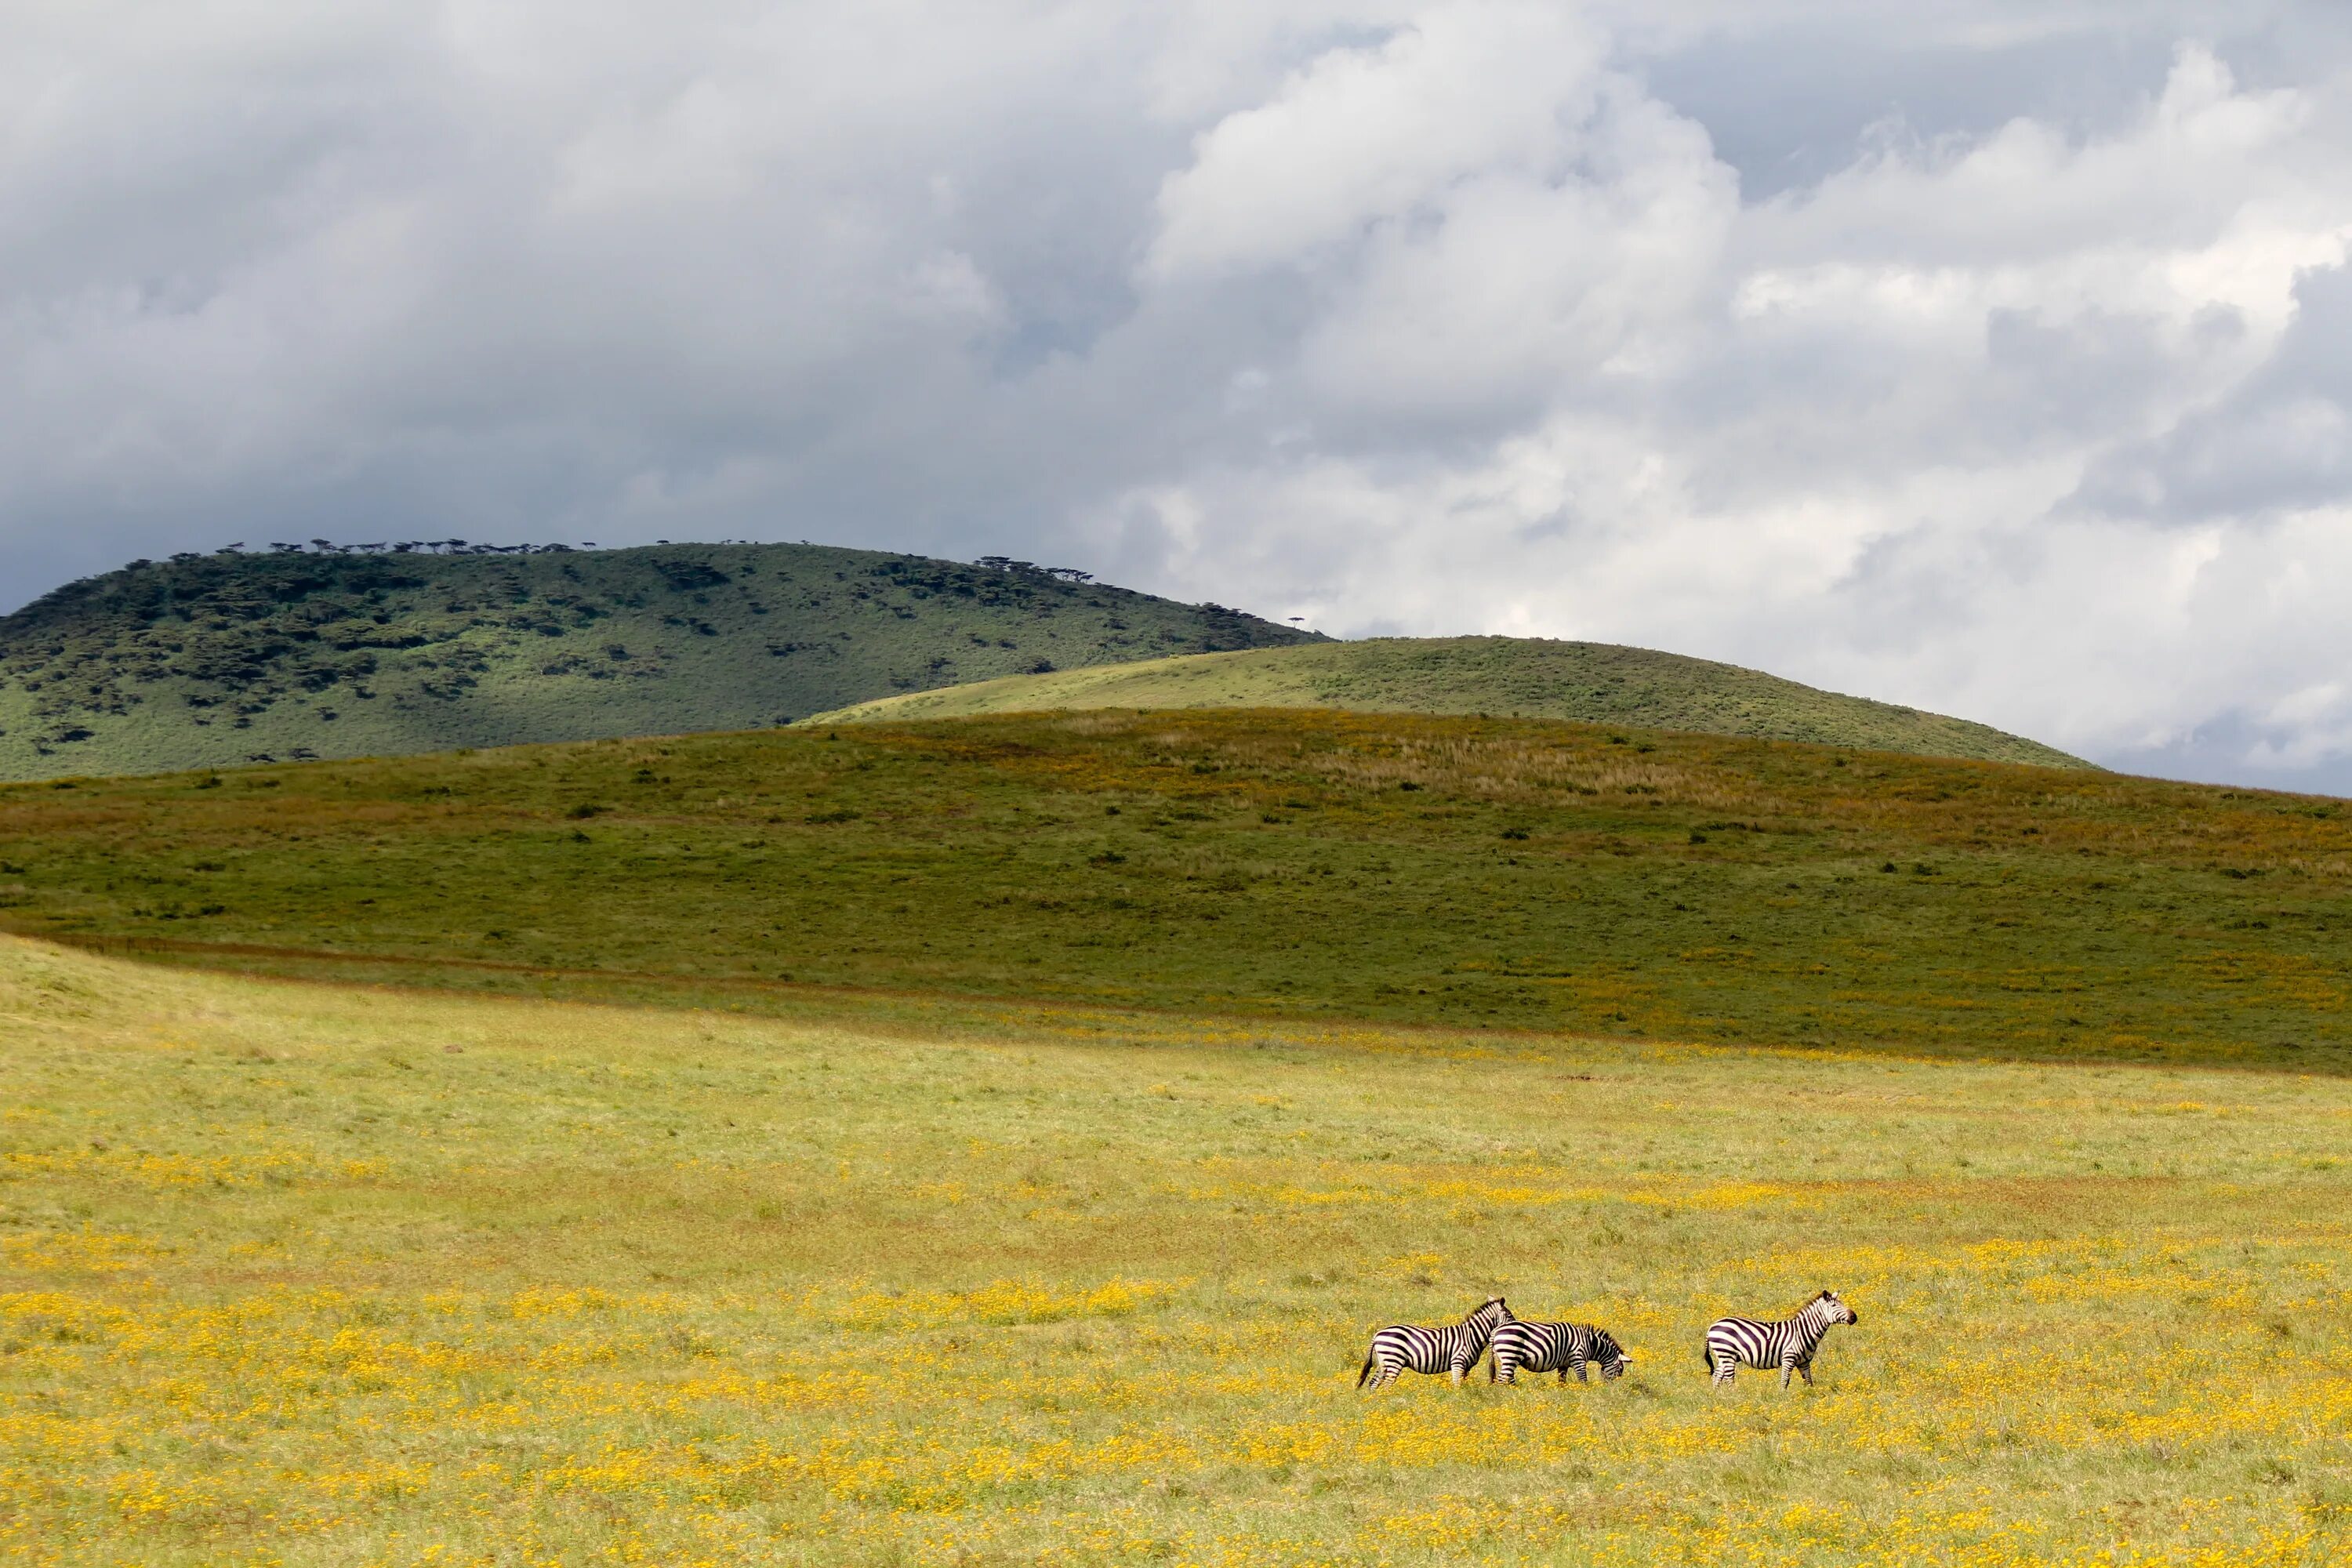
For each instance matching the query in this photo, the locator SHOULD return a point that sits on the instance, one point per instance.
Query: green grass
(1598, 683)
(213, 660)
(1456, 872)
(317, 1277)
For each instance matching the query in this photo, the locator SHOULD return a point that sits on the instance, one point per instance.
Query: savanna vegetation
(313, 1275)
(336, 652)
(1532, 677)
(1458, 872)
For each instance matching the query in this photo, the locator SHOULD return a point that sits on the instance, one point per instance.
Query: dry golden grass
(322, 1276)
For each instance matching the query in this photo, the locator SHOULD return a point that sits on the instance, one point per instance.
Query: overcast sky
(1990, 357)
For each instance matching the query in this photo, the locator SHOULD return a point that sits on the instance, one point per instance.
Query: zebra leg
(1806, 1367)
(1503, 1369)
(1788, 1366)
(1578, 1362)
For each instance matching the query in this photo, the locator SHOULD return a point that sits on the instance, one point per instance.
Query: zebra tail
(1366, 1373)
(1705, 1356)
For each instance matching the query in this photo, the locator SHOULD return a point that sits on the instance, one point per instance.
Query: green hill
(1521, 676)
(1457, 871)
(209, 661)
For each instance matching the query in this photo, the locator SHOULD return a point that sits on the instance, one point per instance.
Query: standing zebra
(1455, 1349)
(1553, 1347)
(1788, 1344)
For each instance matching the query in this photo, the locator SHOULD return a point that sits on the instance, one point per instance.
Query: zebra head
(1606, 1351)
(1830, 1309)
(1493, 1312)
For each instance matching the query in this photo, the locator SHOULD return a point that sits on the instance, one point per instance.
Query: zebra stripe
(1455, 1349)
(1790, 1344)
(1553, 1347)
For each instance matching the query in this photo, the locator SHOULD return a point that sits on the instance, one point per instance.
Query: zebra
(1553, 1347)
(1788, 1344)
(1454, 1349)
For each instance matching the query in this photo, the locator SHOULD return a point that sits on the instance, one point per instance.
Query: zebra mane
(1828, 1307)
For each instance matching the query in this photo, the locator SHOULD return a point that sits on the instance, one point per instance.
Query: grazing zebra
(1454, 1349)
(1788, 1344)
(1553, 1347)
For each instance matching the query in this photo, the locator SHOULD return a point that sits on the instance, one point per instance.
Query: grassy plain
(1455, 872)
(1532, 677)
(302, 1275)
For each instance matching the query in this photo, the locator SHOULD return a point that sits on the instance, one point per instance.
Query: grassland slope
(1602, 683)
(209, 661)
(1507, 873)
(319, 1276)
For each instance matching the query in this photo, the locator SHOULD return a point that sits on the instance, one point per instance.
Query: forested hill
(205, 660)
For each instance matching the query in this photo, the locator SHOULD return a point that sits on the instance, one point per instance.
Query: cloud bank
(1990, 359)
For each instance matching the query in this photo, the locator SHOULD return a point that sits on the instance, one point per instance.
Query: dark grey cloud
(2281, 440)
(1793, 107)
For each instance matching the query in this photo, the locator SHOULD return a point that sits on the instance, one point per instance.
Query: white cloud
(1520, 287)
(1370, 135)
(1986, 358)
